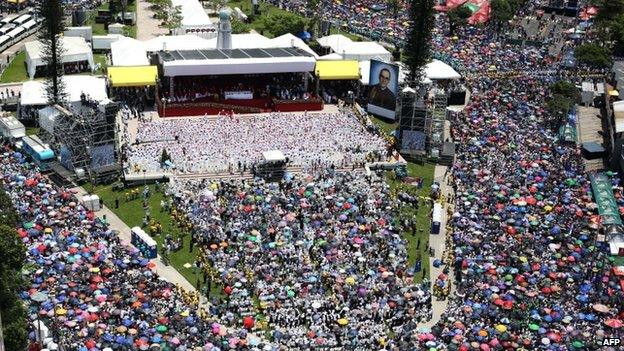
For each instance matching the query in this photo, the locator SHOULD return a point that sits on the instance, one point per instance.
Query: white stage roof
(274, 156)
(129, 52)
(437, 69)
(94, 87)
(258, 41)
(236, 61)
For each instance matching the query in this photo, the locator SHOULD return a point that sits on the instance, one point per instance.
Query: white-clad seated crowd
(229, 144)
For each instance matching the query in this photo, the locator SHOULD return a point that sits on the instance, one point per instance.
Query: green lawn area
(98, 28)
(32, 130)
(131, 212)
(387, 125)
(16, 71)
(101, 59)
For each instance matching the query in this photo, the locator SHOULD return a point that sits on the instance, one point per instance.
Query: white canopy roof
(193, 13)
(288, 40)
(332, 57)
(129, 52)
(273, 156)
(33, 92)
(239, 66)
(245, 41)
(177, 42)
(437, 70)
(618, 114)
(355, 50)
(75, 49)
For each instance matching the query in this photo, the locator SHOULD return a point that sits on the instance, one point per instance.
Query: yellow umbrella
(121, 329)
(500, 328)
(343, 321)
(48, 230)
(185, 313)
(350, 280)
(614, 93)
(95, 270)
(61, 311)
(523, 259)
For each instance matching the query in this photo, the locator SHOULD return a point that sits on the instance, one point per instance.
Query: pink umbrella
(175, 341)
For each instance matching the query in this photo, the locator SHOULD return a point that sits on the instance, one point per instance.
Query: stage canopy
(438, 70)
(355, 50)
(274, 156)
(128, 52)
(338, 70)
(236, 61)
(33, 92)
(137, 76)
(75, 49)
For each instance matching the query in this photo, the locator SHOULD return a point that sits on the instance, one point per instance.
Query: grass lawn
(131, 212)
(98, 28)
(16, 71)
(32, 130)
(101, 59)
(387, 125)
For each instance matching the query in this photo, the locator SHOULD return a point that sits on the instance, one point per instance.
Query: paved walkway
(148, 27)
(167, 272)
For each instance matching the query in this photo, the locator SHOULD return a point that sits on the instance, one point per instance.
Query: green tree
(394, 6)
(565, 89)
(608, 9)
(283, 23)
(501, 11)
(13, 314)
(52, 27)
(418, 46)
(238, 27)
(593, 55)
(458, 17)
(616, 34)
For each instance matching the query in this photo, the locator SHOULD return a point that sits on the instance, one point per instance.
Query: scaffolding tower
(83, 135)
(414, 122)
(438, 118)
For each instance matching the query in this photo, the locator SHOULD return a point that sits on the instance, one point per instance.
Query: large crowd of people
(232, 144)
(320, 253)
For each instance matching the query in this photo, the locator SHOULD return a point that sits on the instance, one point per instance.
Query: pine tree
(51, 13)
(418, 47)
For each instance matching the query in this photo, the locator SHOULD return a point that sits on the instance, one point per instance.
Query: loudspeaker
(325, 28)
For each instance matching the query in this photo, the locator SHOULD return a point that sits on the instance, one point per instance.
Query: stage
(255, 106)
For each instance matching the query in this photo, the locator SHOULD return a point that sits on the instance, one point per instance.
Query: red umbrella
(227, 290)
(614, 323)
(248, 322)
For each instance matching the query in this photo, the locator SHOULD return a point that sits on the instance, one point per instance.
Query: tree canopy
(593, 55)
(282, 23)
(52, 27)
(418, 47)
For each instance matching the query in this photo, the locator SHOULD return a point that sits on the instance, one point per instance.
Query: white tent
(177, 42)
(331, 57)
(195, 20)
(129, 52)
(245, 41)
(75, 49)
(355, 50)
(274, 156)
(47, 117)
(33, 92)
(438, 70)
(288, 40)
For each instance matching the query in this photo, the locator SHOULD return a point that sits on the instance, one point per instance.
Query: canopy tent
(603, 195)
(351, 50)
(618, 113)
(438, 70)
(288, 40)
(33, 92)
(337, 70)
(194, 19)
(75, 49)
(329, 57)
(177, 42)
(128, 52)
(258, 41)
(273, 156)
(236, 61)
(128, 76)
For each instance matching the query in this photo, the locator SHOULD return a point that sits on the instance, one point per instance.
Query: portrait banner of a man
(384, 81)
